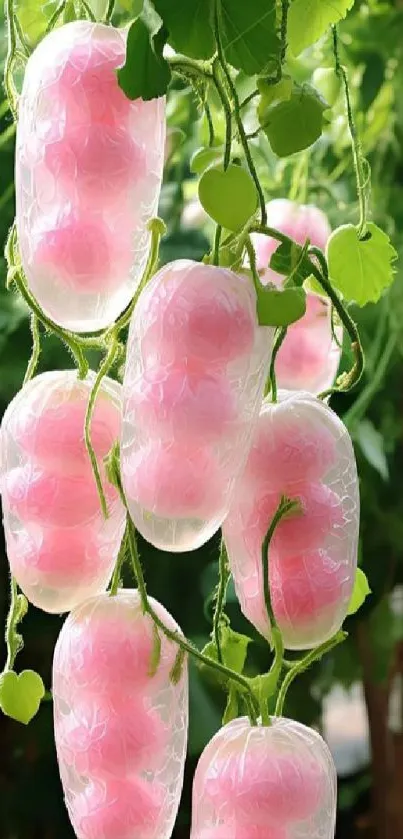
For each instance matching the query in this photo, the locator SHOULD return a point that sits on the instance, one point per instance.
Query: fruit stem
(223, 581)
(303, 664)
(36, 349)
(103, 371)
(271, 386)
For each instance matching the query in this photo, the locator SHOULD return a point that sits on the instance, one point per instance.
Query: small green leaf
(277, 307)
(234, 647)
(204, 158)
(308, 20)
(360, 592)
(361, 269)
(189, 25)
(249, 34)
(372, 445)
(270, 93)
(291, 260)
(146, 74)
(229, 197)
(295, 123)
(20, 696)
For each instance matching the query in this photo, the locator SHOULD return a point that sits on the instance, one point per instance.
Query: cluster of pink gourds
(195, 455)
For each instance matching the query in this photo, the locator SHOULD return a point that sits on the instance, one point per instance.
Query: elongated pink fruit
(313, 551)
(120, 721)
(194, 378)
(277, 781)
(60, 546)
(88, 176)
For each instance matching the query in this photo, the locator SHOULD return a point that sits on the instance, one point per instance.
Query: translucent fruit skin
(120, 723)
(88, 176)
(195, 372)
(309, 356)
(313, 552)
(253, 782)
(60, 547)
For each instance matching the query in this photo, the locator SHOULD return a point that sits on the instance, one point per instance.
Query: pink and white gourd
(301, 450)
(195, 372)
(309, 356)
(264, 782)
(60, 547)
(120, 722)
(88, 176)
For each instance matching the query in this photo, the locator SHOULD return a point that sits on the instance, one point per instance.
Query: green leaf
(204, 158)
(290, 260)
(361, 269)
(234, 647)
(229, 197)
(270, 93)
(249, 34)
(361, 591)
(372, 445)
(189, 26)
(308, 20)
(280, 307)
(146, 74)
(20, 696)
(34, 16)
(295, 123)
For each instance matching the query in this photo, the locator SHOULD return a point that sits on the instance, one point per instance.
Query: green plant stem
(55, 17)
(11, 90)
(175, 636)
(210, 124)
(109, 11)
(285, 7)
(360, 164)
(352, 377)
(228, 144)
(36, 349)
(271, 386)
(223, 581)
(103, 371)
(238, 119)
(88, 11)
(362, 403)
(17, 610)
(303, 664)
(249, 98)
(116, 577)
(189, 67)
(71, 340)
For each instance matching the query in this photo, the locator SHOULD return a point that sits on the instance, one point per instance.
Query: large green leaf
(308, 20)
(229, 197)
(249, 34)
(146, 74)
(295, 122)
(361, 268)
(189, 26)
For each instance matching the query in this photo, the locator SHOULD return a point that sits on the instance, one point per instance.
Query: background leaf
(308, 20)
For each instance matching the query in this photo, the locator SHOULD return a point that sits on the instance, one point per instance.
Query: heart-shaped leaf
(20, 695)
(361, 268)
(360, 592)
(277, 307)
(205, 157)
(229, 197)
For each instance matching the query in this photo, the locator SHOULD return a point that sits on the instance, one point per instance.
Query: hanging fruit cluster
(197, 436)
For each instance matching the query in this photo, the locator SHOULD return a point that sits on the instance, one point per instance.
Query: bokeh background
(356, 694)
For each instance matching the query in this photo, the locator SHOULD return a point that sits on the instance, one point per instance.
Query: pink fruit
(288, 450)
(187, 403)
(304, 587)
(51, 427)
(37, 495)
(199, 313)
(174, 480)
(298, 435)
(101, 737)
(79, 251)
(121, 722)
(118, 809)
(276, 781)
(98, 159)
